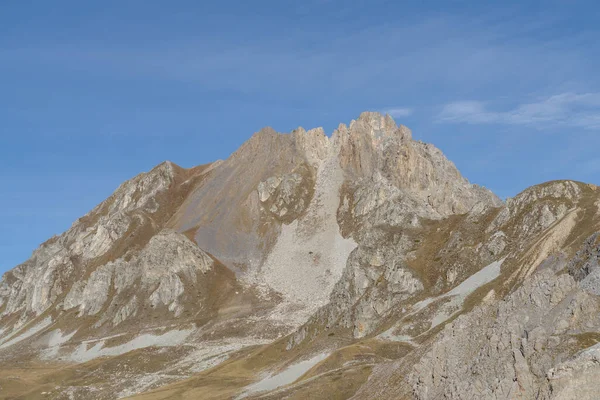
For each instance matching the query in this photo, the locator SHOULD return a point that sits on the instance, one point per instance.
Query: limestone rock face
(314, 144)
(539, 207)
(375, 145)
(576, 378)
(36, 285)
(286, 197)
(509, 348)
(584, 266)
(156, 275)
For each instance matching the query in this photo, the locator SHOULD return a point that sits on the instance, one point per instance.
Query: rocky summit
(360, 265)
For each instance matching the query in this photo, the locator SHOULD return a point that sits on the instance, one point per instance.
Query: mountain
(361, 265)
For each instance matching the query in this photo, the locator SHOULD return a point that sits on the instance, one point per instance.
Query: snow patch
(422, 304)
(12, 339)
(457, 297)
(477, 280)
(468, 286)
(390, 336)
(55, 340)
(289, 375)
(210, 354)
(172, 338)
(206, 355)
(462, 291)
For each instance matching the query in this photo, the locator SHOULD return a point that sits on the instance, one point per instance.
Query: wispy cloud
(565, 109)
(398, 112)
(452, 54)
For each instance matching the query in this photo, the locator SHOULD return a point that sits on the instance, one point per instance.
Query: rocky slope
(361, 265)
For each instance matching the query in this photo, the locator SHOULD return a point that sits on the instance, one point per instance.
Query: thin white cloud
(472, 112)
(591, 121)
(399, 112)
(566, 109)
(451, 53)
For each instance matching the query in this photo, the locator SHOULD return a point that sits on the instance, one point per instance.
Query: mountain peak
(381, 125)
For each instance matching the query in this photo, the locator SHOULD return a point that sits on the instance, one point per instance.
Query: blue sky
(92, 93)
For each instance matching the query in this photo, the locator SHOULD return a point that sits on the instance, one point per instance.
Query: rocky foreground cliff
(361, 265)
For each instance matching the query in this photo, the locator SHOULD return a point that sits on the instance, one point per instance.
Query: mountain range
(360, 265)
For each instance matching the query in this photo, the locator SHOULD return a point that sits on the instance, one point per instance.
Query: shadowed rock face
(365, 250)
